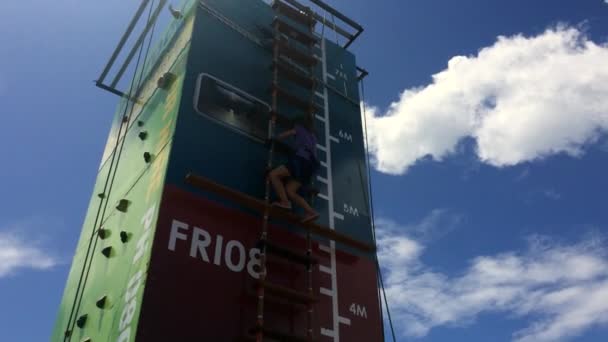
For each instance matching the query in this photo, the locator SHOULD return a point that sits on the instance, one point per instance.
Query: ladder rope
(108, 186)
(243, 32)
(333, 19)
(270, 162)
(309, 333)
(372, 217)
(256, 40)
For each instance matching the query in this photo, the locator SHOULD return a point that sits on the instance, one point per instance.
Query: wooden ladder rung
(288, 254)
(282, 120)
(295, 54)
(295, 76)
(294, 33)
(277, 213)
(294, 100)
(290, 294)
(293, 13)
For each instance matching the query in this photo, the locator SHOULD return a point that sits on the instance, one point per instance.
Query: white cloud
(17, 252)
(561, 290)
(521, 99)
(435, 225)
(552, 194)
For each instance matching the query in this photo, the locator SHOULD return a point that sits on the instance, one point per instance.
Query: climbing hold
(123, 205)
(140, 123)
(101, 302)
(143, 135)
(68, 333)
(101, 195)
(81, 321)
(103, 233)
(175, 13)
(86, 339)
(165, 81)
(107, 251)
(125, 119)
(125, 237)
(147, 157)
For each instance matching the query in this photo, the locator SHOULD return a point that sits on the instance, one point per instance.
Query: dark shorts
(300, 169)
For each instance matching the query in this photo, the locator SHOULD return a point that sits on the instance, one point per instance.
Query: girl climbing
(301, 166)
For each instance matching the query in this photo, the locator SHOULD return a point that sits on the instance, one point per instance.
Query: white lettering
(133, 286)
(135, 282)
(141, 246)
(358, 310)
(349, 209)
(125, 336)
(238, 267)
(175, 234)
(127, 314)
(254, 262)
(148, 217)
(234, 253)
(218, 250)
(200, 245)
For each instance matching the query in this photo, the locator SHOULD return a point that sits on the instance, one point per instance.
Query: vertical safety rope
(371, 202)
(264, 236)
(108, 184)
(309, 266)
(333, 19)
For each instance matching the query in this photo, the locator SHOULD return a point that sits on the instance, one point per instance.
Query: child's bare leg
(276, 178)
(292, 192)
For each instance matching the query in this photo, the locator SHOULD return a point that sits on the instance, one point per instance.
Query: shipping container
(180, 242)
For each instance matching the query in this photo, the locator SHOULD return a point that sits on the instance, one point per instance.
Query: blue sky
(490, 167)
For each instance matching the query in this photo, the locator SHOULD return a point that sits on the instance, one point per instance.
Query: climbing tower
(180, 242)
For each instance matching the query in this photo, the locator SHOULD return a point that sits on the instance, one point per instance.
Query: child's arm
(286, 134)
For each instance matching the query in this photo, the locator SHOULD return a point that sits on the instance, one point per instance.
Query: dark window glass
(232, 107)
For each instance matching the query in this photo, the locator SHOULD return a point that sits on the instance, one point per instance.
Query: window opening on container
(231, 106)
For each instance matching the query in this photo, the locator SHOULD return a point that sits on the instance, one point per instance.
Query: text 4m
(233, 254)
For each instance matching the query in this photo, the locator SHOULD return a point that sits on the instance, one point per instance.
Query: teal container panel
(349, 172)
(342, 75)
(240, 57)
(204, 145)
(204, 244)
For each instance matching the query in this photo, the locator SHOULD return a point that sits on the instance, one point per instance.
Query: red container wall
(203, 271)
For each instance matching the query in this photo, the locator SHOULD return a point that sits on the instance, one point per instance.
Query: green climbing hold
(101, 303)
(123, 205)
(103, 233)
(125, 237)
(165, 81)
(82, 320)
(107, 252)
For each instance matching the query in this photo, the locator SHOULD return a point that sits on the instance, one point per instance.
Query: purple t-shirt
(306, 143)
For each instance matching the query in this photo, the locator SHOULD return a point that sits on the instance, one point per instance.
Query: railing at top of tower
(329, 17)
(320, 11)
(139, 32)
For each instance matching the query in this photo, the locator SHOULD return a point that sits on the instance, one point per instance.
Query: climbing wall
(205, 252)
(104, 290)
(162, 260)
